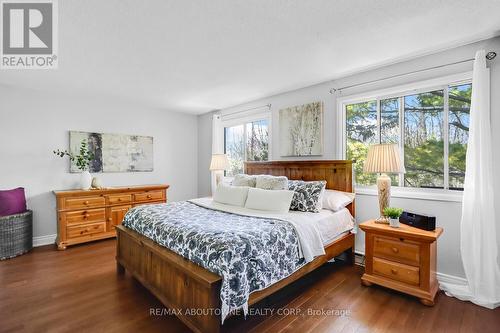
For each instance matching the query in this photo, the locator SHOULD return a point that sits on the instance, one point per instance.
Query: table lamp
(383, 159)
(219, 163)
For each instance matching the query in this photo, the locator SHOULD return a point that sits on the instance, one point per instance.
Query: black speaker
(418, 221)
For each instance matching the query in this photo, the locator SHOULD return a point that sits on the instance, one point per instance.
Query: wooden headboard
(338, 174)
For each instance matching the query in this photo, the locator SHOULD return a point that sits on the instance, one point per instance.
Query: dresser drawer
(86, 230)
(119, 199)
(396, 271)
(397, 250)
(149, 196)
(85, 216)
(83, 202)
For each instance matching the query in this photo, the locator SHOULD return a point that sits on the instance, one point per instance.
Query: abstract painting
(301, 130)
(114, 152)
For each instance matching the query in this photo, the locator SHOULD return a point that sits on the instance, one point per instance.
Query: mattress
(331, 225)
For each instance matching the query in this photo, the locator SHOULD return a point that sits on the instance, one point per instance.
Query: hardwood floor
(78, 290)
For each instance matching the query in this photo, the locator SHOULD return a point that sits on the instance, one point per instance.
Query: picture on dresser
(114, 152)
(301, 130)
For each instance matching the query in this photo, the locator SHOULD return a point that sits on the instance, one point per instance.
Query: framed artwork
(301, 130)
(114, 152)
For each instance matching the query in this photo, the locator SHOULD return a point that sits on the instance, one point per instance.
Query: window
(246, 142)
(430, 126)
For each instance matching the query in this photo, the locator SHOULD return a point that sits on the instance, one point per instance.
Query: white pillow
(231, 195)
(336, 200)
(244, 180)
(269, 200)
(267, 182)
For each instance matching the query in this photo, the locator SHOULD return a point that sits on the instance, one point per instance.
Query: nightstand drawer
(396, 271)
(397, 250)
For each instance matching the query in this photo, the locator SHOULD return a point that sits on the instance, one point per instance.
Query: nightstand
(403, 259)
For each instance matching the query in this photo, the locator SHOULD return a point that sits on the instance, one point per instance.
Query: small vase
(394, 222)
(85, 180)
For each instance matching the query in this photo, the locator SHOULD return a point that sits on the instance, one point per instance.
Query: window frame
(243, 120)
(441, 83)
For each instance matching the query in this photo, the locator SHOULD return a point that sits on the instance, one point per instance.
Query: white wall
(447, 213)
(33, 124)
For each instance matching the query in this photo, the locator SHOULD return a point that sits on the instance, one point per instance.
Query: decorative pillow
(269, 200)
(12, 201)
(231, 195)
(307, 195)
(336, 200)
(267, 182)
(244, 180)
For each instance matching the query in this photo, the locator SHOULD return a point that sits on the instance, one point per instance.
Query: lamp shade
(219, 162)
(383, 158)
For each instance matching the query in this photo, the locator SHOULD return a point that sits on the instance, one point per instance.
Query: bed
(195, 292)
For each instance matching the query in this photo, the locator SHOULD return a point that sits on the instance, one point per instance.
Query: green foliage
(83, 158)
(424, 130)
(393, 212)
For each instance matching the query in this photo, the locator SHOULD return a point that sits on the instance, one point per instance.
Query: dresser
(88, 215)
(403, 259)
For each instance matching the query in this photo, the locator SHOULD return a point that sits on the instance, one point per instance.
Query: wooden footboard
(178, 283)
(183, 286)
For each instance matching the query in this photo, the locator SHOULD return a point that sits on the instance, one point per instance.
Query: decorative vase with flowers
(393, 214)
(82, 160)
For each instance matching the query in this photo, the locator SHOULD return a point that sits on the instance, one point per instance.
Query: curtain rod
(246, 110)
(489, 56)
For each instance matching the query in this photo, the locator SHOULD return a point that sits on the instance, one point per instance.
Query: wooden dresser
(402, 259)
(84, 216)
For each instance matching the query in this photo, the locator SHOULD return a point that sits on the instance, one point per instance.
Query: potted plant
(83, 159)
(393, 214)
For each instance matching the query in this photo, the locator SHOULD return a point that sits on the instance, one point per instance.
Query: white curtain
(217, 142)
(478, 241)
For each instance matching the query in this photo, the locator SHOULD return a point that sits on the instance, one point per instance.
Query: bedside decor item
(82, 160)
(403, 259)
(12, 201)
(383, 158)
(301, 130)
(218, 164)
(423, 222)
(393, 214)
(114, 152)
(16, 234)
(84, 216)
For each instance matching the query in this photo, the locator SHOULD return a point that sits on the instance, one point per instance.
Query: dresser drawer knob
(149, 196)
(395, 250)
(110, 219)
(86, 202)
(85, 216)
(394, 271)
(119, 199)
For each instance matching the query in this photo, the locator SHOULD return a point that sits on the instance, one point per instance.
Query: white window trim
(397, 91)
(242, 120)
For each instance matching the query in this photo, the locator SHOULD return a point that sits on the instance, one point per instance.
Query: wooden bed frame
(184, 286)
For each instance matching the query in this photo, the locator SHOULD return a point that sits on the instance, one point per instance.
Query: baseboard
(446, 278)
(441, 277)
(44, 240)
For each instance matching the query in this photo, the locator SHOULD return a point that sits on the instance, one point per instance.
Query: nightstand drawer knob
(394, 271)
(395, 250)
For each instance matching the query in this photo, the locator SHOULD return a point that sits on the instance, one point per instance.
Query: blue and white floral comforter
(250, 253)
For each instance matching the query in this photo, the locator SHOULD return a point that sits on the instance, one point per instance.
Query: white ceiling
(197, 56)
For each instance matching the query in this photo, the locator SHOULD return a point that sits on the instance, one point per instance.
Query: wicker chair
(16, 234)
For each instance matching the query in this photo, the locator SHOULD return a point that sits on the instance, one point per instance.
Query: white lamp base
(384, 192)
(218, 178)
